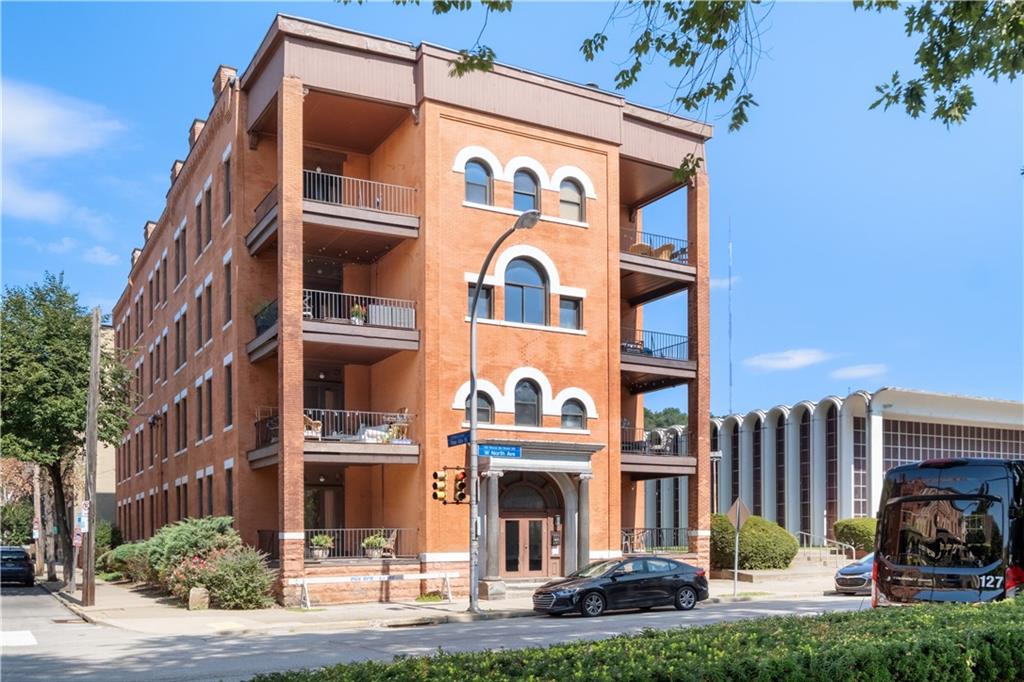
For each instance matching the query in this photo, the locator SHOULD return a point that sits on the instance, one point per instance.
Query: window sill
(512, 212)
(181, 367)
(226, 221)
(208, 438)
(523, 325)
(228, 427)
(226, 325)
(180, 282)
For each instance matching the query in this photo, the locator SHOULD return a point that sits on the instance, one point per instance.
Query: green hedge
(763, 544)
(857, 532)
(939, 642)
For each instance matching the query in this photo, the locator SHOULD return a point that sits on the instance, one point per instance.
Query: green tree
(715, 47)
(16, 522)
(44, 381)
(669, 416)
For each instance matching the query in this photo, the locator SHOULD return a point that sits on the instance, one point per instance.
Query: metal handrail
(827, 547)
(358, 309)
(342, 190)
(357, 426)
(651, 442)
(266, 203)
(653, 245)
(348, 543)
(654, 344)
(266, 317)
(655, 540)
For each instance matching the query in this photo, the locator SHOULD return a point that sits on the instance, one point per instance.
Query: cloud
(859, 371)
(62, 245)
(723, 282)
(40, 123)
(100, 256)
(796, 358)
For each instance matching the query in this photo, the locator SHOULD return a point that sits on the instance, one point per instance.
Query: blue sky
(869, 249)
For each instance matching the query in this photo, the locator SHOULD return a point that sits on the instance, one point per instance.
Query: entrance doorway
(531, 516)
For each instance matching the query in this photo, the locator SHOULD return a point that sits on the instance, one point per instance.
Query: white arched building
(808, 465)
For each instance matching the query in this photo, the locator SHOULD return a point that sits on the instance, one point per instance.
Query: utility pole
(91, 437)
(38, 531)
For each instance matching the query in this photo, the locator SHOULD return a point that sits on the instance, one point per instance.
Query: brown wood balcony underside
(645, 278)
(645, 467)
(641, 373)
(340, 452)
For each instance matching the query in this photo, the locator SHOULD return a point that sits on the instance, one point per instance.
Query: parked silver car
(856, 578)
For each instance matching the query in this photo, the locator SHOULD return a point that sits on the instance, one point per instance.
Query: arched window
(527, 403)
(525, 195)
(574, 415)
(570, 201)
(479, 184)
(484, 408)
(526, 293)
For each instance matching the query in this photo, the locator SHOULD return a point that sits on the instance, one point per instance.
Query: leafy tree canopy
(669, 416)
(715, 47)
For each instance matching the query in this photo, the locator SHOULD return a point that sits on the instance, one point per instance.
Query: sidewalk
(143, 610)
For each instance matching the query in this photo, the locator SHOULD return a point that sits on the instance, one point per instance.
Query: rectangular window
(152, 444)
(209, 406)
(484, 304)
(227, 292)
(152, 372)
(184, 424)
(163, 436)
(209, 495)
(208, 296)
(229, 418)
(151, 297)
(199, 498)
(199, 321)
(209, 216)
(227, 188)
(167, 510)
(184, 500)
(163, 284)
(570, 313)
(199, 413)
(177, 501)
(229, 493)
(199, 228)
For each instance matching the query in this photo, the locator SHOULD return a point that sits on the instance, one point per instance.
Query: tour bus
(950, 530)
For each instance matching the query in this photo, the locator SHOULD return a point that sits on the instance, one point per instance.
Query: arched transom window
(484, 408)
(479, 183)
(574, 415)
(570, 201)
(528, 407)
(526, 293)
(525, 191)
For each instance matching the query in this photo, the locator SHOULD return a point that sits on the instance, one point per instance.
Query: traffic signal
(440, 486)
(461, 491)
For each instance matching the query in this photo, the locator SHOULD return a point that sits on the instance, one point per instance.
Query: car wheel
(592, 604)
(686, 598)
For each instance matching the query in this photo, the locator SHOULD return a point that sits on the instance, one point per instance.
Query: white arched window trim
(467, 154)
(504, 401)
(533, 253)
(504, 173)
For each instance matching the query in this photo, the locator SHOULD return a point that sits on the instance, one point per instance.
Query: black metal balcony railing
(266, 317)
(345, 191)
(357, 309)
(351, 426)
(356, 426)
(653, 245)
(654, 344)
(655, 540)
(266, 203)
(658, 442)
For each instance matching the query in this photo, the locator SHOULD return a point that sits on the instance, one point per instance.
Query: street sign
(460, 438)
(78, 539)
(488, 450)
(738, 513)
(82, 521)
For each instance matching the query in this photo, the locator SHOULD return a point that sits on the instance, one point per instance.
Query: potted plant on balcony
(321, 546)
(373, 545)
(357, 313)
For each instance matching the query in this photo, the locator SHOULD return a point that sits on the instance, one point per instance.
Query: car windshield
(943, 532)
(594, 569)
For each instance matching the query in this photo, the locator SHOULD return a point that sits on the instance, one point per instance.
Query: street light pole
(525, 221)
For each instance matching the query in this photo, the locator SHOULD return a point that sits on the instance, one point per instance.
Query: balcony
(652, 360)
(348, 327)
(340, 437)
(355, 219)
(652, 266)
(661, 453)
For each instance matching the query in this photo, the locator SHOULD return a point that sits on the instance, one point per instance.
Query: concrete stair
(524, 587)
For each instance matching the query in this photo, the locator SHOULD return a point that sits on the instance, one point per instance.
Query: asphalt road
(40, 643)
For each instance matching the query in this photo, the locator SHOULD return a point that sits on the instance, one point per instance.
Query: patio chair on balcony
(388, 550)
(312, 428)
(307, 307)
(641, 249)
(664, 252)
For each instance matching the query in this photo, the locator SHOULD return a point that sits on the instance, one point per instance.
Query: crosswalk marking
(17, 638)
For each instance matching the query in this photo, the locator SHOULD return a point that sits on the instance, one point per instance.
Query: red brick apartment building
(297, 318)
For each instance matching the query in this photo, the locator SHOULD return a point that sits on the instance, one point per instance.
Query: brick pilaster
(289, 350)
(699, 332)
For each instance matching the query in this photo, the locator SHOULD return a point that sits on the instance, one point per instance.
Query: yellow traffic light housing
(461, 491)
(440, 486)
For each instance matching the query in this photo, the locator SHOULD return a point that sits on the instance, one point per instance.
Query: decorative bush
(322, 541)
(375, 541)
(108, 536)
(857, 532)
(238, 579)
(129, 560)
(763, 544)
(930, 642)
(190, 572)
(187, 538)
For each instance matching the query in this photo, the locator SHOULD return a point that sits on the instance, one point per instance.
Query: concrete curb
(69, 605)
(463, 617)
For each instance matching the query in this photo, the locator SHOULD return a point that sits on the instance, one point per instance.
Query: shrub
(129, 560)
(108, 536)
(238, 579)
(937, 642)
(857, 532)
(16, 522)
(763, 544)
(187, 538)
(190, 572)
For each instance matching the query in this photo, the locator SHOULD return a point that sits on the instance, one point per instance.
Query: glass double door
(524, 546)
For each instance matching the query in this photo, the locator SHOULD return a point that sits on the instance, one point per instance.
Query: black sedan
(16, 566)
(627, 583)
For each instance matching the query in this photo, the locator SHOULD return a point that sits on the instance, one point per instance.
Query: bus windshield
(943, 531)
